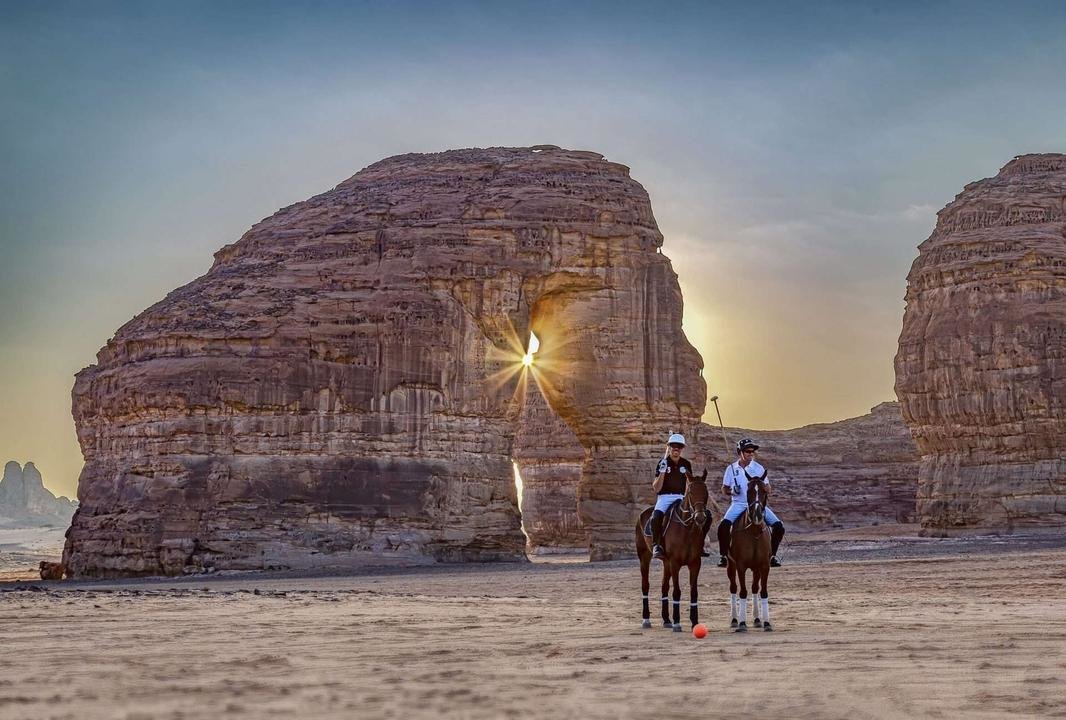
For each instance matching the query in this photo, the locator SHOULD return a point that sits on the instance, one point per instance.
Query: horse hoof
(757, 623)
(767, 627)
(646, 624)
(667, 624)
(733, 623)
(677, 628)
(742, 627)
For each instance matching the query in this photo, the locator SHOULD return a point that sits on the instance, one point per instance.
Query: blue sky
(795, 154)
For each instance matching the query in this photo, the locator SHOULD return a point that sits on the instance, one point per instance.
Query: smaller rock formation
(25, 501)
(52, 570)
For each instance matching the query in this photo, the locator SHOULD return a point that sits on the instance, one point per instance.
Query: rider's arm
(727, 483)
(657, 483)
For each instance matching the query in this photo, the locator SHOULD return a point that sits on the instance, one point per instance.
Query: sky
(795, 155)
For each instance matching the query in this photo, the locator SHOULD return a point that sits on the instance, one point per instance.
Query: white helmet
(676, 438)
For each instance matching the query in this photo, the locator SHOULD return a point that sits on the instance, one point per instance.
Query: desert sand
(22, 549)
(875, 624)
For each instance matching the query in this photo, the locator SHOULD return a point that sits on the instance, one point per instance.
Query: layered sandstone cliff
(981, 367)
(340, 387)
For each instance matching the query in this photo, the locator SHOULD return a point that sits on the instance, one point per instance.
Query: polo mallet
(721, 426)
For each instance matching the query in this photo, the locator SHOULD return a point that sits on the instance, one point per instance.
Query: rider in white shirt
(735, 487)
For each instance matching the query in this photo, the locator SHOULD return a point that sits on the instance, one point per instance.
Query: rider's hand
(736, 489)
(662, 466)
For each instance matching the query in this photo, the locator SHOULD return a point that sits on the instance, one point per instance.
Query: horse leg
(731, 571)
(645, 585)
(675, 572)
(742, 626)
(666, 595)
(693, 592)
(755, 584)
(765, 599)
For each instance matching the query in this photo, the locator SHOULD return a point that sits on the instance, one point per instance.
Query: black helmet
(746, 444)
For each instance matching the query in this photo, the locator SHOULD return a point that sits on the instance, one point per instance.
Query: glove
(736, 489)
(662, 466)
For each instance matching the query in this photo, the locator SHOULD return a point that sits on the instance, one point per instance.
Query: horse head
(696, 496)
(757, 496)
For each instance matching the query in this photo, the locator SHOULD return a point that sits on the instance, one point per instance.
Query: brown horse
(682, 545)
(749, 549)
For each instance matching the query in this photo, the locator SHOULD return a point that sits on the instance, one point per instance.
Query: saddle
(666, 520)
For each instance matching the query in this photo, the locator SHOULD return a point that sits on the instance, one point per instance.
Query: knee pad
(725, 524)
(779, 526)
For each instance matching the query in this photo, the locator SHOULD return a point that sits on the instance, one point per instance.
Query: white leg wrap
(765, 610)
(733, 606)
(743, 616)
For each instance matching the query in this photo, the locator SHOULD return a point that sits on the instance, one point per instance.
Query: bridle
(688, 512)
(759, 503)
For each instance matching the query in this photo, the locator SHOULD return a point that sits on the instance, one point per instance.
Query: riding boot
(657, 534)
(706, 529)
(777, 531)
(724, 529)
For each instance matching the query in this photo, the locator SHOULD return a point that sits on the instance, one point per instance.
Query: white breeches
(663, 502)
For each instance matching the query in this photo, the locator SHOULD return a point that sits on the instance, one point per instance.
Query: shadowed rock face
(549, 457)
(981, 367)
(342, 385)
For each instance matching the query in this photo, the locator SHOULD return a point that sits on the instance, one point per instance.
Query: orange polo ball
(700, 631)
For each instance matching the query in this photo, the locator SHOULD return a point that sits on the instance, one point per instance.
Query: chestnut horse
(749, 549)
(682, 545)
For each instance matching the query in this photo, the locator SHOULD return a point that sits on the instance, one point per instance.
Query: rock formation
(341, 385)
(25, 501)
(981, 367)
(860, 471)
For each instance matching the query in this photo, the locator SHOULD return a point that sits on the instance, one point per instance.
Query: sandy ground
(22, 549)
(867, 626)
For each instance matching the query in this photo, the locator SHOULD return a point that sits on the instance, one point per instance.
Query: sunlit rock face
(342, 387)
(981, 367)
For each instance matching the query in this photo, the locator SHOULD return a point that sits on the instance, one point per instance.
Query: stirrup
(657, 552)
(722, 562)
(774, 562)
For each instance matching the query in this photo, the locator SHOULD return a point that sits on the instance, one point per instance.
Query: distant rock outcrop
(340, 386)
(981, 367)
(25, 501)
(850, 473)
(860, 471)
